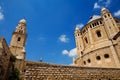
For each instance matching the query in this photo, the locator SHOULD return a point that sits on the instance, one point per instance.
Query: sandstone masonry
(98, 42)
(46, 71)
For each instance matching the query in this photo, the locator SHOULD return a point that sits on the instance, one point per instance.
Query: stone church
(98, 42)
(98, 48)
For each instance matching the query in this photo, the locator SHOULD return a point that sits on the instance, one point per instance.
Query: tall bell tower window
(98, 33)
(109, 15)
(100, 22)
(19, 38)
(86, 40)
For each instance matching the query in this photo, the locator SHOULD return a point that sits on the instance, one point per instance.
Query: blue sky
(51, 24)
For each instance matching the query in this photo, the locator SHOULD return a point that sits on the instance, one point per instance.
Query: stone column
(90, 36)
(81, 42)
(115, 56)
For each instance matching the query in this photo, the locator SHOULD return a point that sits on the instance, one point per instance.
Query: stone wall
(4, 59)
(45, 71)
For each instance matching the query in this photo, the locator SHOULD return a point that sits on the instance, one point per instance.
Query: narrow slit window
(90, 26)
(86, 40)
(100, 22)
(81, 53)
(97, 23)
(93, 25)
(84, 63)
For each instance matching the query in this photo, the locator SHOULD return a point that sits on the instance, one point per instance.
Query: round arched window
(106, 55)
(98, 57)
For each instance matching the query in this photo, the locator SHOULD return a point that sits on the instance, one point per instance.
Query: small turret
(77, 31)
(104, 10)
(79, 40)
(109, 22)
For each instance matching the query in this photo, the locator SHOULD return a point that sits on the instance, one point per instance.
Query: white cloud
(102, 3)
(117, 13)
(107, 3)
(80, 25)
(64, 38)
(65, 52)
(71, 53)
(1, 14)
(96, 6)
(0, 7)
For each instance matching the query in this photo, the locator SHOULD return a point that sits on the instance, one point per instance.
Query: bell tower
(79, 41)
(79, 45)
(109, 22)
(17, 45)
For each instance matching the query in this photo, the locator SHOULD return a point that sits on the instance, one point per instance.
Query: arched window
(109, 15)
(86, 40)
(98, 33)
(19, 38)
(105, 16)
(81, 53)
(98, 57)
(20, 31)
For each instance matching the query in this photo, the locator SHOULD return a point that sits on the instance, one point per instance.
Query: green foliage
(12, 58)
(15, 75)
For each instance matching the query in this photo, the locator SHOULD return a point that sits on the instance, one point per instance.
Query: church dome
(94, 17)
